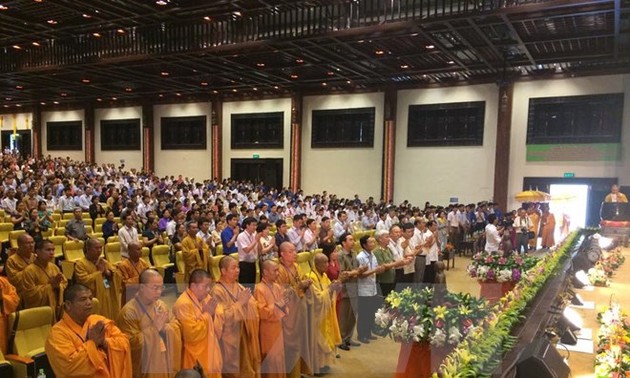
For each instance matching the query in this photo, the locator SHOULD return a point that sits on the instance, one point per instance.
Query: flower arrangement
(598, 276)
(419, 316)
(496, 267)
(612, 260)
(613, 349)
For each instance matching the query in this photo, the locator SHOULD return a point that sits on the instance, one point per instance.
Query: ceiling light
(208, 18)
(114, 98)
(330, 73)
(3, 7)
(161, 2)
(52, 22)
(299, 60)
(429, 47)
(85, 15)
(128, 89)
(348, 82)
(36, 44)
(237, 13)
(164, 73)
(276, 87)
(97, 35)
(39, 1)
(450, 62)
(324, 84)
(404, 66)
(99, 99)
(260, 64)
(414, 34)
(294, 76)
(215, 91)
(17, 47)
(19, 87)
(42, 103)
(160, 95)
(56, 102)
(18, 105)
(120, 31)
(234, 90)
(86, 81)
(8, 98)
(178, 94)
(379, 52)
(204, 83)
(254, 89)
(6, 106)
(63, 94)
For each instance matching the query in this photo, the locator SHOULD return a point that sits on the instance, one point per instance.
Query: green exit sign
(569, 174)
(256, 156)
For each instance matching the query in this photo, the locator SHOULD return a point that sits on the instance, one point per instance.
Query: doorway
(20, 141)
(268, 171)
(568, 203)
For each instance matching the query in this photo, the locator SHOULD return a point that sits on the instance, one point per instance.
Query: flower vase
(493, 290)
(414, 360)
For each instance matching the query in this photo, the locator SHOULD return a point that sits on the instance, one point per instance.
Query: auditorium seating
(32, 327)
(161, 260)
(5, 229)
(112, 253)
(13, 237)
(72, 251)
(58, 241)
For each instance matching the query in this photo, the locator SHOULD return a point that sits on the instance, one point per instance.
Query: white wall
(188, 163)
(436, 174)
(23, 121)
(133, 159)
(523, 91)
(61, 116)
(261, 106)
(347, 171)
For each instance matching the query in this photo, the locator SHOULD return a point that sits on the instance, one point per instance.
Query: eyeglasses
(156, 287)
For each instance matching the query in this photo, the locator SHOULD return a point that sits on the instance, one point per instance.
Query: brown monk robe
(10, 302)
(154, 333)
(43, 281)
(298, 325)
(130, 270)
(82, 345)
(240, 344)
(271, 299)
(201, 320)
(17, 262)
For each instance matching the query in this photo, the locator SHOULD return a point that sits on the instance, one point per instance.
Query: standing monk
(240, 345)
(10, 302)
(534, 220)
(548, 229)
(16, 263)
(195, 252)
(201, 322)
(271, 299)
(43, 281)
(327, 334)
(100, 277)
(154, 335)
(82, 345)
(130, 270)
(299, 338)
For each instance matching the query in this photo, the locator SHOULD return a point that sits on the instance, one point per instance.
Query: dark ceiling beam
(517, 37)
(464, 40)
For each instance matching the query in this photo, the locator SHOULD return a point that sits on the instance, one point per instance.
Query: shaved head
(147, 274)
(226, 261)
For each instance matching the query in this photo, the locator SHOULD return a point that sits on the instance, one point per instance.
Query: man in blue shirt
(229, 234)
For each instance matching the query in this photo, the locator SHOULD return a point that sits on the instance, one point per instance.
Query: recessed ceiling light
(294, 76)
(207, 18)
(85, 15)
(260, 64)
(52, 22)
(450, 62)
(204, 83)
(324, 84)
(415, 34)
(42, 103)
(161, 2)
(8, 98)
(379, 52)
(86, 81)
(299, 60)
(275, 87)
(56, 102)
(97, 35)
(330, 73)
(237, 13)
(36, 44)
(234, 90)
(17, 47)
(128, 89)
(164, 73)
(404, 66)
(39, 1)
(254, 89)
(19, 87)
(63, 94)
(99, 99)
(3, 7)
(18, 105)
(114, 98)
(215, 91)
(178, 94)
(120, 31)
(160, 95)
(348, 82)
(429, 47)
(6, 106)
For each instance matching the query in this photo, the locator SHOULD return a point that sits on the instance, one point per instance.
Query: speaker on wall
(540, 359)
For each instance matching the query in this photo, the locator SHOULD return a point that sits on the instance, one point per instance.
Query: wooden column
(295, 167)
(217, 138)
(36, 131)
(89, 133)
(148, 144)
(389, 144)
(502, 148)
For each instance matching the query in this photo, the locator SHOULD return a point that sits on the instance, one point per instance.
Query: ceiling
(106, 52)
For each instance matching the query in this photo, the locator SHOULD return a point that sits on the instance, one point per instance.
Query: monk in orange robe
(195, 252)
(201, 320)
(240, 344)
(299, 337)
(327, 334)
(100, 277)
(548, 229)
(154, 333)
(16, 263)
(10, 302)
(82, 345)
(130, 270)
(272, 308)
(43, 281)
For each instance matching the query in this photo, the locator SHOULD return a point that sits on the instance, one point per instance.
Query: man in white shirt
(247, 245)
(341, 226)
(127, 235)
(411, 248)
(367, 291)
(296, 233)
(310, 235)
(381, 224)
(493, 236)
(9, 203)
(521, 226)
(431, 250)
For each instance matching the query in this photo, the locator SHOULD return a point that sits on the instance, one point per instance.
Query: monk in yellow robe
(195, 252)
(153, 333)
(99, 276)
(43, 281)
(534, 220)
(16, 263)
(130, 269)
(10, 302)
(327, 334)
(299, 338)
(82, 345)
(201, 321)
(240, 344)
(272, 308)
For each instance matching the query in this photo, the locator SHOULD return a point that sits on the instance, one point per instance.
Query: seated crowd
(258, 311)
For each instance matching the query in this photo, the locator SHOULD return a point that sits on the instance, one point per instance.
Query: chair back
(58, 241)
(160, 255)
(98, 227)
(5, 229)
(73, 250)
(112, 253)
(13, 237)
(60, 231)
(32, 327)
(145, 255)
(219, 250)
(98, 221)
(304, 262)
(68, 216)
(112, 239)
(215, 271)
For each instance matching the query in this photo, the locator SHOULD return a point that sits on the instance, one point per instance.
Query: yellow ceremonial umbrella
(532, 196)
